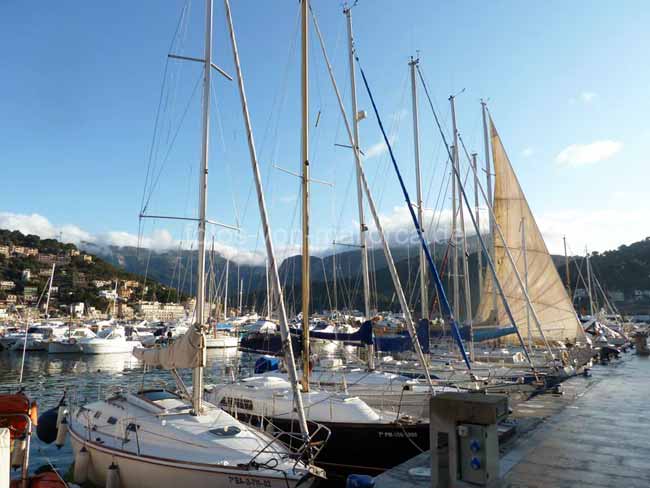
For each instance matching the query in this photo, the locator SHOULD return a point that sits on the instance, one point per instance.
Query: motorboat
(36, 338)
(70, 342)
(108, 341)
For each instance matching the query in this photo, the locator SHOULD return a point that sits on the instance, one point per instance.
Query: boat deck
(597, 434)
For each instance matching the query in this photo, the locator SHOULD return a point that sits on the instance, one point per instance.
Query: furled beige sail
(547, 293)
(185, 352)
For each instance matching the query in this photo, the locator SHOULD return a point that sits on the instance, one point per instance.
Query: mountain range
(622, 270)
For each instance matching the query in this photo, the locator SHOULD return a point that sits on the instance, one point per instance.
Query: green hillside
(26, 262)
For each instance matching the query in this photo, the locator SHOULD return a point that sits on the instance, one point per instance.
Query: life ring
(72, 341)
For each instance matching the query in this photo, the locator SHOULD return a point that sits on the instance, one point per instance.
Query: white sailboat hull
(150, 472)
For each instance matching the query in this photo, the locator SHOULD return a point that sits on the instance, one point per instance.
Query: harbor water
(88, 377)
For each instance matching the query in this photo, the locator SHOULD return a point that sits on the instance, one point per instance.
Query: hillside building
(47, 258)
(102, 283)
(159, 311)
(77, 309)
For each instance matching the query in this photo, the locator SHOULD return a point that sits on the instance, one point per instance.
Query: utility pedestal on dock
(469, 421)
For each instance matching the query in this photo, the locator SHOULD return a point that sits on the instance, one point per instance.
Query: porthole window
(227, 431)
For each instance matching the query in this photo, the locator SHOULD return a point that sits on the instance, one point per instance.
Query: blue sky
(566, 84)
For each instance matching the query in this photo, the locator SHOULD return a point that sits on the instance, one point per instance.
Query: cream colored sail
(188, 351)
(547, 293)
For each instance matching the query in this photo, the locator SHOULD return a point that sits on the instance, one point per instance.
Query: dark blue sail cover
(363, 335)
(481, 333)
(401, 341)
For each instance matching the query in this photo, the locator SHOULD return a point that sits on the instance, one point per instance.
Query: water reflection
(47, 376)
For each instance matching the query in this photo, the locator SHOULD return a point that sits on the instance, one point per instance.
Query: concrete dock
(602, 439)
(596, 434)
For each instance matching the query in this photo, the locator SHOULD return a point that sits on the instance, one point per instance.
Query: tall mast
(275, 276)
(117, 282)
(362, 224)
(488, 176)
(566, 268)
(525, 256)
(304, 158)
(240, 290)
(424, 296)
(268, 292)
(467, 291)
(479, 254)
(355, 132)
(197, 373)
(241, 295)
(336, 300)
(210, 280)
(225, 291)
(589, 290)
(454, 263)
(49, 291)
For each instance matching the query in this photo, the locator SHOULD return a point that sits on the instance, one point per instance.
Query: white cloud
(583, 154)
(528, 152)
(587, 96)
(581, 228)
(378, 149)
(288, 198)
(157, 240)
(41, 226)
(399, 229)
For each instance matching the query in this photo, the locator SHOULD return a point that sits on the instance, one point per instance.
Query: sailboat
(222, 339)
(158, 438)
(358, 438)
(542, 304)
